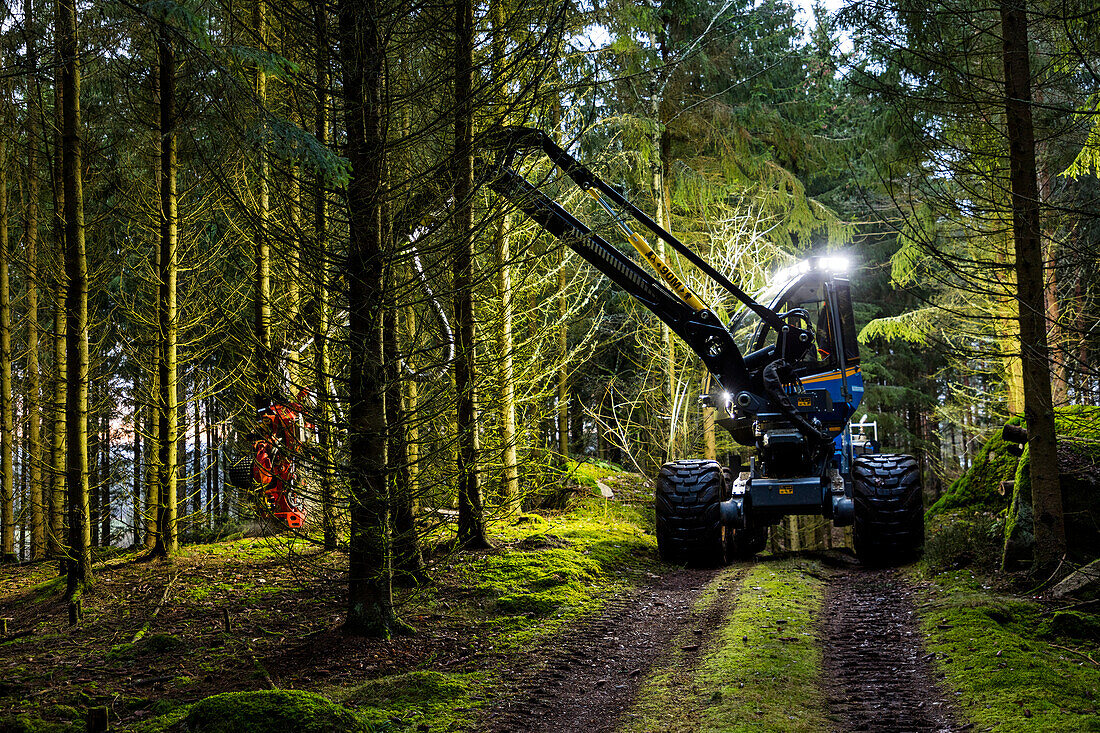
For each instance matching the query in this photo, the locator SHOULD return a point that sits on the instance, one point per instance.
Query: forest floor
(569, 624)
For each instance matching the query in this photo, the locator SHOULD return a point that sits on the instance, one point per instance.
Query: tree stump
(97, 720)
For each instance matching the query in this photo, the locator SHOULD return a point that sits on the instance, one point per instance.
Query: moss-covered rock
(1078, 429)
(270, 711)
(411, 688)
(977, 489)
(1070, 625)
(1019, 527)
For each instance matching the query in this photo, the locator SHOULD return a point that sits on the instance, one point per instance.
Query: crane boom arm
(668, 298)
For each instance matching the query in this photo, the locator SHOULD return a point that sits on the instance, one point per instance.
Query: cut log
(1014, 433)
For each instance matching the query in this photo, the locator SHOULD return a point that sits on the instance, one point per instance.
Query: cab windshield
(806, 297)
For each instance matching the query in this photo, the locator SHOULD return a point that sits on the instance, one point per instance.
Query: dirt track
(876, 674)
(587, 679)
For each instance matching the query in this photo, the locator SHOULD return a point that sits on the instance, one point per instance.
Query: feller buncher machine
(789, 391)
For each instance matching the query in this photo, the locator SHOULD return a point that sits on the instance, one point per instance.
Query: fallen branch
(264, 672)
(1075, 651)
(145, 627)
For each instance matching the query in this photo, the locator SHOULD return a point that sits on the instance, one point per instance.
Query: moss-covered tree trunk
(407, 560)
(152, 441)
(137, 524)
(1050, 533)
(509, 481)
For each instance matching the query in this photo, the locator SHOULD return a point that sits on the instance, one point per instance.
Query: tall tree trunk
(414, 561)
(294, 276)
(506, 407)
(7, 402)
(661, 152)
(370, 574)
(1056, 342)
(76, 308)
(30, 236)
(57, 501)
(208, 449)
(264, 355)
(471, 514)
(168, 398)
(320, 335)
(57, 438)
(1046, 494)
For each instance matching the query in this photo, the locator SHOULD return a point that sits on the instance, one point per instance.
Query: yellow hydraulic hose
(674, 283)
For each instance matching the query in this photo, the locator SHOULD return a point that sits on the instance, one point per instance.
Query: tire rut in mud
(587, 679)
(876, 674)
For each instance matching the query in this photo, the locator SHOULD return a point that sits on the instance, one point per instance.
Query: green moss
(1019, 530)
(66, 711)
(763, 671)
(976, 490)
(589, 472)
(152, 644)
(31, 724)
(271, 711)
(444, 701)
(1071, 625)
(48, 589)
(562, 567)
(162, 644)
(1008, 678)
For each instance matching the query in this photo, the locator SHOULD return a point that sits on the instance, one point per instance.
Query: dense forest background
(203, 202)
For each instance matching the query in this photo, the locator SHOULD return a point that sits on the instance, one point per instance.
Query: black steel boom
(671, 301)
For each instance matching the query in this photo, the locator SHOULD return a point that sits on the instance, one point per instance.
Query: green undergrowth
(545, 574)
(1016, 666)
(589, 472)
(762, 667)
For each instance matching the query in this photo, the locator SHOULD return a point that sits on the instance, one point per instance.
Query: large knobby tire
(689, 515)
(889, 521)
